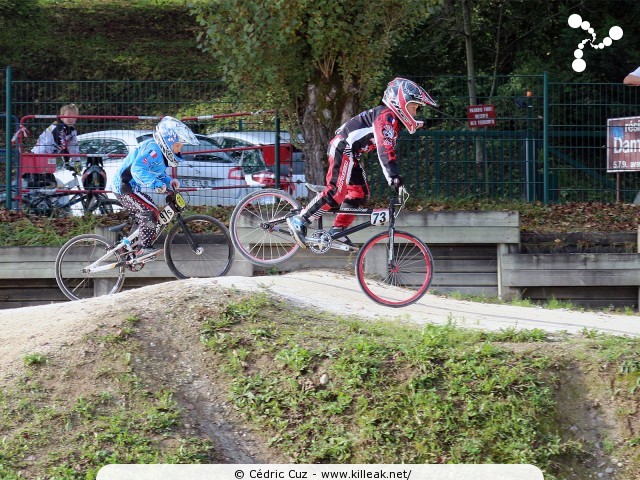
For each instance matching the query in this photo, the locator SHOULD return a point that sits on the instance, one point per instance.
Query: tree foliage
(317, 60)
(16, 11)
(523, 37)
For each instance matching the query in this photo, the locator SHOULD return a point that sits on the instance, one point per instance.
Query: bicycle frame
(52, 196)
(393, 213)
(391, 210)
(172, 211)
(123, 243)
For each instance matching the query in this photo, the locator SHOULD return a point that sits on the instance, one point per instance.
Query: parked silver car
(221, 178)
(262, 147)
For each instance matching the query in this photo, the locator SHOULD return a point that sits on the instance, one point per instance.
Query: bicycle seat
(315, 188)
(118, 228)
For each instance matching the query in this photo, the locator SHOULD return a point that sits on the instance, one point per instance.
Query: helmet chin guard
(399, 94)
(169, 131)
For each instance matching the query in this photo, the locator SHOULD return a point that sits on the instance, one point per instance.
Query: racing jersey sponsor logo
(389, 135)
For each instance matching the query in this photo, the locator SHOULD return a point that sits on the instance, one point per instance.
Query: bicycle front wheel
(81, 252)
(259, 230)
(198, 246)
(397, 272)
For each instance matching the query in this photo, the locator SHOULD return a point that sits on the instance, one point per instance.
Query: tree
(316, 60)
(16, 11)
(522, 37)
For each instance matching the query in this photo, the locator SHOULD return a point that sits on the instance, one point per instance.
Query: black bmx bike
(91, 265)
(394, 267)
(69, 199)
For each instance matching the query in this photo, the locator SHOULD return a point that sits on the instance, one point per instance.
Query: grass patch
(35, 359)
(551, 304)
(50, 430)
(347, 391)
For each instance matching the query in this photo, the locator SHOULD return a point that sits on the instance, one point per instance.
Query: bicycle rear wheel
(400, 281)
(259, 230)
(198, 246)
(80, 252)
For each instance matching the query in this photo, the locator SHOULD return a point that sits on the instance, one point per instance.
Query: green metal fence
(549, 146)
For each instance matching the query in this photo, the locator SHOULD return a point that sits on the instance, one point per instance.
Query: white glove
(161, 189)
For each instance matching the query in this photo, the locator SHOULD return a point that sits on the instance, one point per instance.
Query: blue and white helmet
(169, 131)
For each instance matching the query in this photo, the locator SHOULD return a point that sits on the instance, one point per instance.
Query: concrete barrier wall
(475, 253)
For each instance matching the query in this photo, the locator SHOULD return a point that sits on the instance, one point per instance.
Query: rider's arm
(46, 142)
(385, 132)
(633, 78)
(148, 170)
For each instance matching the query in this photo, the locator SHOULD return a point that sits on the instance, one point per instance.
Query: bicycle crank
(319, 242)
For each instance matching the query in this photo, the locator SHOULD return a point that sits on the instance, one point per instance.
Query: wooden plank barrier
(475, 252)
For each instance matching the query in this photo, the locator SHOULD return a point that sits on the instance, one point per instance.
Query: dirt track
(24, 330)
(341, 293)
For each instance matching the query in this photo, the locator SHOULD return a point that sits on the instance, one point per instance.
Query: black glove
(396, 181)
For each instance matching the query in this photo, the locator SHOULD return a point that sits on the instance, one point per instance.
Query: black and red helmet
(399, 94)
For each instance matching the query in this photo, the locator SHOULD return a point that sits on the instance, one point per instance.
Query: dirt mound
(172, 357)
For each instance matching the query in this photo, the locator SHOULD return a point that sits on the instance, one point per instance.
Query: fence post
(530, 172)
(545, 137)
(277, 150)
(8, 117)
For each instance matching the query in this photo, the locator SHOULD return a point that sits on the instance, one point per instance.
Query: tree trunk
(468, 44)
(471, 70)
(316, 138)
(322, 112)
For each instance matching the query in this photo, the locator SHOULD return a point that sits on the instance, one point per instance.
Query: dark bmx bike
(394, 268)
(91, 265)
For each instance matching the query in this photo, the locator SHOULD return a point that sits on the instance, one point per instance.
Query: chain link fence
(548, 142)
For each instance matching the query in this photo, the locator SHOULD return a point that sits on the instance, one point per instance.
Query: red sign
(481, 115)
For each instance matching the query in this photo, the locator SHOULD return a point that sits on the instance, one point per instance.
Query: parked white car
(291, 158)
(222, 179)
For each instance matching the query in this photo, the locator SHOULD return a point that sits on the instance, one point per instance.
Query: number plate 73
(379, 216)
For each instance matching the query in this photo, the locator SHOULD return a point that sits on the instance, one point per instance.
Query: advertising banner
(623, 144)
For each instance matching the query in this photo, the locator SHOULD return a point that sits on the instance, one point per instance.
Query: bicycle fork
(391, 252)
(195, 246)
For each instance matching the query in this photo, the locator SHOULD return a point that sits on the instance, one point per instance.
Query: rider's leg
(337, 179)
(357, 192)
(141, 206)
